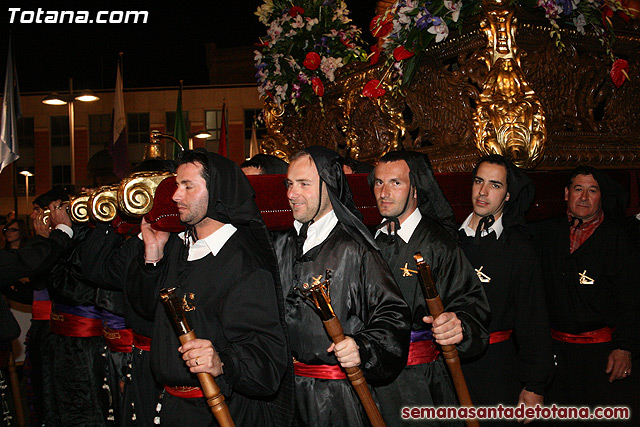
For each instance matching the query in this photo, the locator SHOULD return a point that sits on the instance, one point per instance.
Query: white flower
(291, 33)
(258, 56)
(292, 63)
(281, 90)
(311, 23)
(454, 9)
(274, 31)
(298, 22)
(580, 22)
(403, 18)
(441, 31)
(329, 65)
(264, 11)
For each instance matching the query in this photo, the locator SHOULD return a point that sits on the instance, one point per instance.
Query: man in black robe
(495, 241)
(590, 277)
(225, 271)
(328, 235)
(419, 219)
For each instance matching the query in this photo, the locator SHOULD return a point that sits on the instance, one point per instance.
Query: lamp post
(55, 99)
(26, 175)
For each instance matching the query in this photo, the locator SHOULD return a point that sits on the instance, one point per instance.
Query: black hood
(431, 200)
(521, 193)
(330, 171)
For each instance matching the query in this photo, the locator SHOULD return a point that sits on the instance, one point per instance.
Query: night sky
(168, 48)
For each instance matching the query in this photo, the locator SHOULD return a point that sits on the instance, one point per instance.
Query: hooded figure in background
(328, 236)
(224, 269)
(417, 218)
(264, 164)
(591, 285)
(519, 361)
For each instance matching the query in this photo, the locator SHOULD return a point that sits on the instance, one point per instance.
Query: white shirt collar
(407, 227)
(496, 227)
(318, 231)
(210, 244)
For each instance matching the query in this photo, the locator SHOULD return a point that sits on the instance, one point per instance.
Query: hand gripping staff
(318, 295)
(211, 391)
(450, 353)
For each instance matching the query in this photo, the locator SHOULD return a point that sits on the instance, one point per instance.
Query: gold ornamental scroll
(103, 204)
(136, 192)
(509, 118)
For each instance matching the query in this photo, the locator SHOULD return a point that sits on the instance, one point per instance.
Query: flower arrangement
(408, 27)
(307, 41)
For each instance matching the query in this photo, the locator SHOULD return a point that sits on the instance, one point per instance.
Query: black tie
(575, 222)
(302, 236)
(484, 224)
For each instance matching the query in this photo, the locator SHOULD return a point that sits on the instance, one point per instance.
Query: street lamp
(26, 175)
(55, 99)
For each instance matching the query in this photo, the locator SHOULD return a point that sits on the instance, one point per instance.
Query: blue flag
(10, 115)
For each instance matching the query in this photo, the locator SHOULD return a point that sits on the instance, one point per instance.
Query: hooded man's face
(191, 195)
(583, 197)
(391, 186)
(303, 184)
(489, 192)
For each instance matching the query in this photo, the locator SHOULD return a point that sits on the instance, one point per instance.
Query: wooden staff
(450, 353)
(318, 294)
(210, 389)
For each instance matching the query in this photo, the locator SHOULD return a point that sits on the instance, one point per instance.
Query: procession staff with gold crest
(591, 283)
(518, 363)
(224, 269)
(328, 235)
(417, 218)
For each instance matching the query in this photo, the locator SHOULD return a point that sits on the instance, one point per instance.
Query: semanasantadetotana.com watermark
(40, 16)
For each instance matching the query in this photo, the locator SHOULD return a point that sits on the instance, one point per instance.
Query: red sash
(591, 337)
(41, 310)
(118, 340)
(325, 372)
(422, 352)
(70, 325)
(141, 342)
(185, 392)
(499, 336)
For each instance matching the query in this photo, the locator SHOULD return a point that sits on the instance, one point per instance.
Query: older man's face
(583, 197)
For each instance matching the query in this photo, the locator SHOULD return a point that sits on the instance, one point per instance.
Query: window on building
(100, 130)
(138, 128)
(60, 174)
(171, 121)
(59, 131)
(26, 135)
(213, 122)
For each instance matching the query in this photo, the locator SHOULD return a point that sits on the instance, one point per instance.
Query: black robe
(430, 384)
(106, 257)
(370, 308)
(612, 300)
(236, 308)
(37, 256)
(516, 297)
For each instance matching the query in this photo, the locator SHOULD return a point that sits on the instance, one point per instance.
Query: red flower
(295, 11)
(347, 44)
(619, 71)
(373, 90)
(317, 86)
(375, 55)
(633, 7)
(607, 13)
(312, 61)
(381, 26)
(401, 53)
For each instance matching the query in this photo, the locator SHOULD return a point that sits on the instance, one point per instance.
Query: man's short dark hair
(582, 170)
(494, 159)
(392, 156)
(196, 157)
(253, 164)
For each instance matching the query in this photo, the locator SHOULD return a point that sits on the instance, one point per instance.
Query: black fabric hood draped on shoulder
(521, 193)
(330, 171)
(431, 200)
